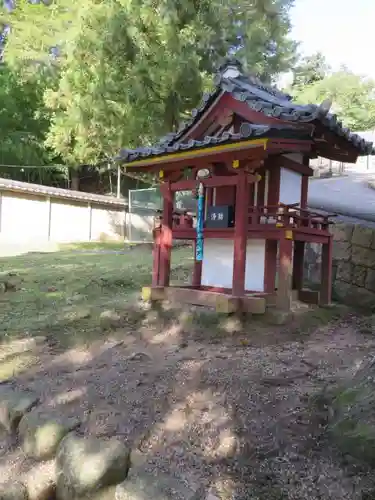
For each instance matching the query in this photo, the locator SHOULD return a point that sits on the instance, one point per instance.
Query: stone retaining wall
(353, 265)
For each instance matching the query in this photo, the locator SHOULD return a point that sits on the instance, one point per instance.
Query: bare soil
(234, 415)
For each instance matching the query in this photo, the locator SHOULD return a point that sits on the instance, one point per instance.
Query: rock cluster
(74, 467)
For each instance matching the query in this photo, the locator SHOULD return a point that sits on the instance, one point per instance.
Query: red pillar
(240, 235)
(304, 190)
(156, 258)
(166, 235)
(326, 280)
(284, 287)
(298, 256)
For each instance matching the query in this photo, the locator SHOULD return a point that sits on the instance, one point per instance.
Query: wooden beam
(234, 148)
(284, 286)
(309, 296)
(240, 234)
(326, 139)
(284, 161)
(166, 234)
(156, 259)
(222, 302)
(304, 191)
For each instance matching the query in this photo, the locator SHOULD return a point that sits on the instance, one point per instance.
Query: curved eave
(193, 153)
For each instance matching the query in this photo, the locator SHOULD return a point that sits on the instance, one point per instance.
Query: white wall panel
(217, 266)
(107, 223)
(23, 217)
(69, 221)
(290, 186)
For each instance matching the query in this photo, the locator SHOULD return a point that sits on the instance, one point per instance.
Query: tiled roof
(247, 131)
(269, 101)
(68, 194)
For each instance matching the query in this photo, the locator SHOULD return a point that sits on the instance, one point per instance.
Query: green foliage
(310, 70)
(125, 72)
(353, 97)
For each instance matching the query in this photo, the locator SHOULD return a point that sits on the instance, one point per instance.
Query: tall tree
(127, 71)
(135, 67)
(353, 98)
(311, 69)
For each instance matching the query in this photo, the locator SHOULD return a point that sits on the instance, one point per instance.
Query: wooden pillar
(156, 258)
(326, 273)
(274, 185)
(298, 256)
(304, 190)
(284, 287)
(166, 235)
(240, 235)
(270, 266)
(261, 188)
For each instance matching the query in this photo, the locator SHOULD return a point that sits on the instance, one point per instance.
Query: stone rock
(354, 295)
(341, 250)
(370, 280)
(14, 404)
(363, 256)
(344, 271)
(13, 491)
(87, 464)
(105, 494)
(109, 320)
(137, 457)
(359, 275)
(362, 236)
(342, 232)
(139, 356)
(41, 432)
(40, 482)
(143, 484)
(276, 317)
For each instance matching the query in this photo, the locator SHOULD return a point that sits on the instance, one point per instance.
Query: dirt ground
(235, 416)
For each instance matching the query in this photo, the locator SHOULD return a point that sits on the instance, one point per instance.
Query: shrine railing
(273, 215)
(288, 215)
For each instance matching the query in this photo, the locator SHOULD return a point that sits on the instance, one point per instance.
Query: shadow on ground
(228, 408)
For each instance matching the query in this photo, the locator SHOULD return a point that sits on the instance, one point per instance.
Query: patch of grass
(348, 411)
(317, 317)
(62, 294)
(96, 246)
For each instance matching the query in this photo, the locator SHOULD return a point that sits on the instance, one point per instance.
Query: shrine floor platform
(222, 301)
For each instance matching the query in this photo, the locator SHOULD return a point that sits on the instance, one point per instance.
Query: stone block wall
(353, 264)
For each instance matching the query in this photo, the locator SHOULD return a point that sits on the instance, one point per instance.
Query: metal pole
(199, 228)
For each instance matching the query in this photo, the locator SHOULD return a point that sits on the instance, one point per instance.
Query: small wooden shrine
(246, 153)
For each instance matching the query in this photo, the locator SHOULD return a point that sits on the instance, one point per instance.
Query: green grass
(96, 246)
(62, 294)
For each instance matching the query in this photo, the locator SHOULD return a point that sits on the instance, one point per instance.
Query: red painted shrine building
(248, 147)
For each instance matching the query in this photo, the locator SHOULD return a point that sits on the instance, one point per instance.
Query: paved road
(348, 196)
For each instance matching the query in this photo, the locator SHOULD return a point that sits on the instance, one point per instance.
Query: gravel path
(236, 417)
(348, 196)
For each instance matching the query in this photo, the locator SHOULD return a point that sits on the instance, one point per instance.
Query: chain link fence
(144, 205)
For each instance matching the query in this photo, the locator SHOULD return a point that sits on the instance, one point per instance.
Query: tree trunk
(74, 179)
